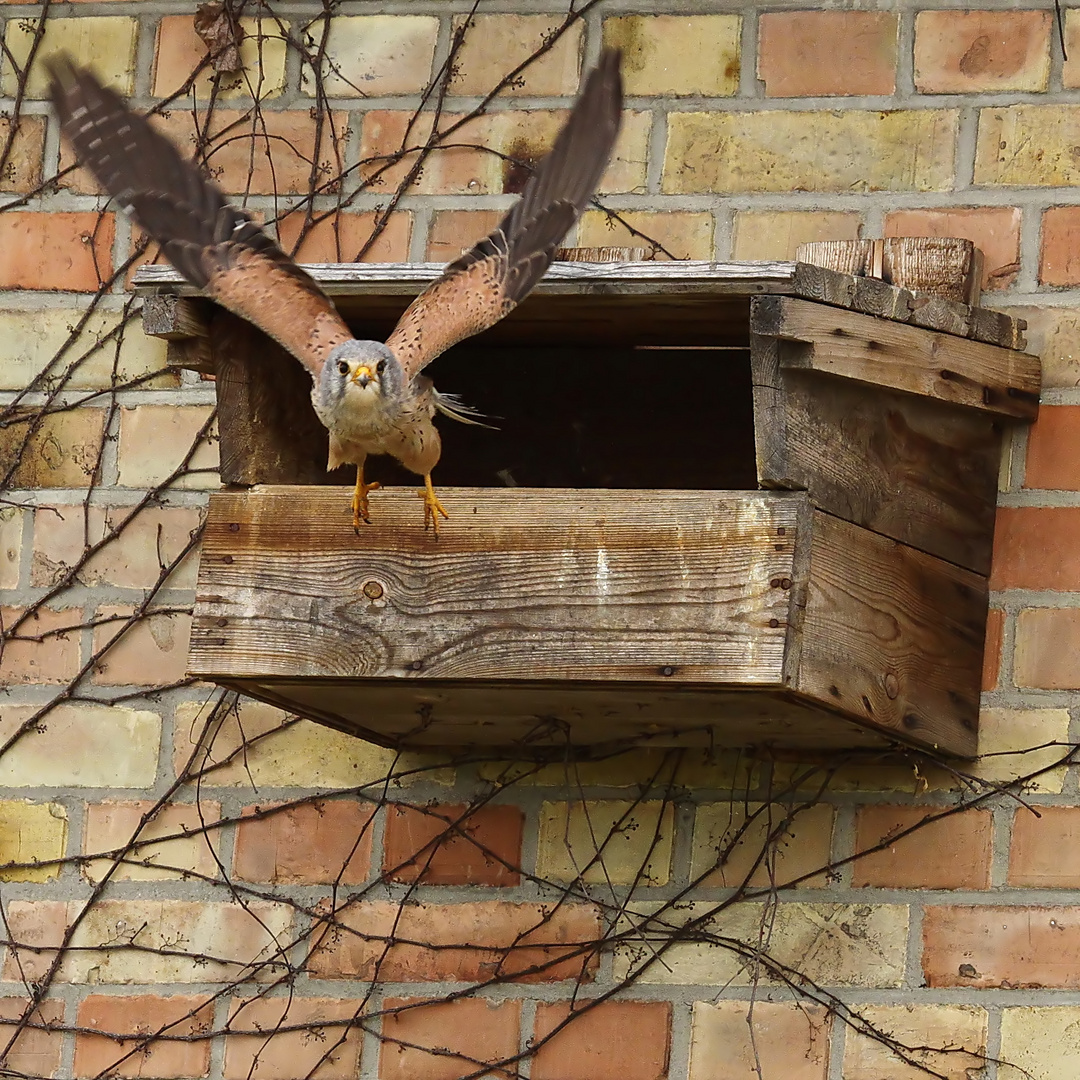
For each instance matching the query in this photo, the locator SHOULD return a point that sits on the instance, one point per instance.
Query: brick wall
(279, 898)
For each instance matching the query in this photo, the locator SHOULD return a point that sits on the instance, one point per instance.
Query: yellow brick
(111, 825)
(810, 151)
(1028, 146)
(802, 847)
(686, 235)
(373, 55)
(262, 60)
(1070, 72)
(639, 851)
(105, 43)
(23, 170)
(32, 338)
(1007, 733)
(1043, 1043)
(481, 67)
(960, 1027)
(62, 452)
(238, 936)
(152, 652)
(31, 832)
(776, 234)
(154, 440)
(1053, 334)
(11, 531)
(677, 54)
(832, 944)
(765, 1040)
(116, 747)
(303, 755)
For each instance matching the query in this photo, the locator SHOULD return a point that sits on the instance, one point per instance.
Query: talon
(360, 499)
(432, 507)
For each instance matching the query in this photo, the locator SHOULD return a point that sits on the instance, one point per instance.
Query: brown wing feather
(217, 247)
(488, 281)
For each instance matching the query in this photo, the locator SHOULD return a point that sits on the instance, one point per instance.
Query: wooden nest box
(725, 504)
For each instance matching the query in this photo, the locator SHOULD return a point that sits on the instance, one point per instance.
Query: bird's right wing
(217, 247)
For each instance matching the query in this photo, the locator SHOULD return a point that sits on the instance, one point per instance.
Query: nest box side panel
(671, 587)
(893, 637)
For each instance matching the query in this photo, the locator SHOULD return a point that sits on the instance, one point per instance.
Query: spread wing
(487, 282)
(217, 247)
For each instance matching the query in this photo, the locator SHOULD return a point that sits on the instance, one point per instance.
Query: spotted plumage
(371, 396)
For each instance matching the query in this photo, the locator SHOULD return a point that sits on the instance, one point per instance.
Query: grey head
(360, 374)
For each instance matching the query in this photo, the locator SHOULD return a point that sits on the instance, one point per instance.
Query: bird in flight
(371, 396)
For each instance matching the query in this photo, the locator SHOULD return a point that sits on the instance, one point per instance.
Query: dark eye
(343, 367)
(380, 367)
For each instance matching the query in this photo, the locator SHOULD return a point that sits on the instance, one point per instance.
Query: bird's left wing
(492, 278)
(217, 247)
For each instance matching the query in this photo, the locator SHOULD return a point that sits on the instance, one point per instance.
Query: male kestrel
(371, 396)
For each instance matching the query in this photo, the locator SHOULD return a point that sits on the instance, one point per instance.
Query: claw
(360, 499)
(432, 507)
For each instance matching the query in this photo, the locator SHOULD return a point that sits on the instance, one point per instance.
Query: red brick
(326, 243)
(1011, 947)
(312, 844)
(460, 1035)
(1059, 260)
(420, 845)
(321, 1052)
(150, 652)
(1048, 648)
(62, 250)
(34, 1053)
(1040, 854)
(959, 52)
(264, 155)
(1053, 455)
(618, 1040)
(860, 46)
(995, 230)
(995, 632)
(953, 853)
(464, 942)
(53, 660)
(455, 231)
(1036, 548)
(136, 1017)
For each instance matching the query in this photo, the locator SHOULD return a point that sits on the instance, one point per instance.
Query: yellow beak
(362, 375)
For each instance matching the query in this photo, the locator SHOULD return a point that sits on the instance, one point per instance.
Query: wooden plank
(174, 318)
(905, 358)
(191, 354)
(854, 257)
(914, 469)
(893, 636)
(269, 432)
(872, 297)
(556, 718)
(601, 254)
(669, 587)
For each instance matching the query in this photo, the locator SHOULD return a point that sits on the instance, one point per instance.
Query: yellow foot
(360, 502)
(432, 507)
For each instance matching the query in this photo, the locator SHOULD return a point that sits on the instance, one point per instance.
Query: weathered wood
(174, 318)
(191, 354)
(854, 257)
(945, 266)
(916, 470)
(268, 429)
(872, 297)
(882, 353)
(601, 254)
(680, 587)
(559, 719)
(894, 636)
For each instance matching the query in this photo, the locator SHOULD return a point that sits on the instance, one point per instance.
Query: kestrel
(371, 396)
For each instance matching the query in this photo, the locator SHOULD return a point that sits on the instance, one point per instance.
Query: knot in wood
(892, 685)
(373, 590)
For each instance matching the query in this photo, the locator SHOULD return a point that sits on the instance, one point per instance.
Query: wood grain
(600, 585)
(882, 353)
(269, 430)
(176, 317)
(946, 266)
(893, 636)
(916, 470)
